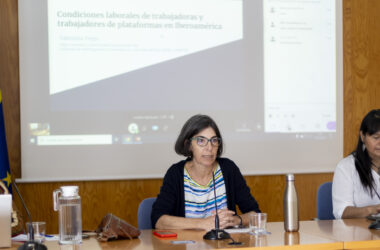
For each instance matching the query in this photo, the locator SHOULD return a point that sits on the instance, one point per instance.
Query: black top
(171, 200)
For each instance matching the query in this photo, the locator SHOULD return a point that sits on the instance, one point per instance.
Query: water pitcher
(68, 204)
(291, 222)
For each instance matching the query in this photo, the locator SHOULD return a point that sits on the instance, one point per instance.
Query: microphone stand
(31, 243)
(216, 234)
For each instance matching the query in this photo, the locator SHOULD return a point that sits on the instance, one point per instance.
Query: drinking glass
(39, 228)
(258, 223)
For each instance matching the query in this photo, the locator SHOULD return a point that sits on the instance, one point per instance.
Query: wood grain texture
(98, 198)
(123, 197)
(9, 80)
(268, 191)
(361, 58)
(361, 38)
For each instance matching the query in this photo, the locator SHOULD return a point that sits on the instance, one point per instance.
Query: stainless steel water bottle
(291, 221)
(68, 204)
(291, 238)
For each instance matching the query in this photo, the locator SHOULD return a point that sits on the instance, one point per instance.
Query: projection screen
(105, 86)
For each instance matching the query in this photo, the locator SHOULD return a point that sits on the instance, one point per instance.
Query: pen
(182, 241)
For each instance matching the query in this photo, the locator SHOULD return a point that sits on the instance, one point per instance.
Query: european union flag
(5, 172)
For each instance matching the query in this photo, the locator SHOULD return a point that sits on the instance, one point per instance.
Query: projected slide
(106, 85)
(299, 66)
(91, 40)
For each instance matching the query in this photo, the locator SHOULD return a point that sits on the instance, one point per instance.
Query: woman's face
(372, 144)
(204, 155)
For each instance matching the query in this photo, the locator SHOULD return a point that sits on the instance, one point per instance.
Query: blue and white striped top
(199, 200)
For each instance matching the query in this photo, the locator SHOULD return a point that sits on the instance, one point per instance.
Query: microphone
(30, 244)
(216, 234)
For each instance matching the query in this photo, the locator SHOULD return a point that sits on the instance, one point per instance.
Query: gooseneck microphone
(31, 243)
(216, 234)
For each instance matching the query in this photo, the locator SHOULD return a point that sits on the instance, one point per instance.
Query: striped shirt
(199, 200)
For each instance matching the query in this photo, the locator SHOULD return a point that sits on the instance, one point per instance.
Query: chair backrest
(144, 212)
(324, 202)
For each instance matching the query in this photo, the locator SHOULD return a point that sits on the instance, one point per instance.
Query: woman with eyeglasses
(186, 199)
(356, 184)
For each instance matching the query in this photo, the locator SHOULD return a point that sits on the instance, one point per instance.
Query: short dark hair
(363, 162)
(193, 126)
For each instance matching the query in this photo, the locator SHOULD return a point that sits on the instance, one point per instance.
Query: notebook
(5, 220)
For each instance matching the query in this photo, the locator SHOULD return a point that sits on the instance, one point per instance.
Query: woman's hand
(375, 209)
(209, 222)
(360, 212)
(226, 218)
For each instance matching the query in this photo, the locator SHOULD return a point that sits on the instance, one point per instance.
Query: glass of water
(39, 228)
(258, 223)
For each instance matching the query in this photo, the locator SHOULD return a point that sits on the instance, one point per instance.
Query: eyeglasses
(203, 141)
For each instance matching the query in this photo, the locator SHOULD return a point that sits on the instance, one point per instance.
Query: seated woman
(186, 199)
(356, 184)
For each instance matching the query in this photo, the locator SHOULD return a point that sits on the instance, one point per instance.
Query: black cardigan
(171, 200)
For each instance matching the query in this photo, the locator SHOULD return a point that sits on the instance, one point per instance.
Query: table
(354, 233)
(329, 234)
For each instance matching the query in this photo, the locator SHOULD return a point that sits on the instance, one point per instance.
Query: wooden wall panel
(268, 191)
(123, 197)
(98, 198)
(361, 58)
(361, 93)
(9, 80)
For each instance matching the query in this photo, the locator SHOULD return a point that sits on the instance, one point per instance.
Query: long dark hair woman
(356, 184)
(187, 199)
